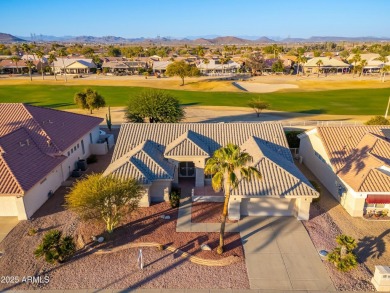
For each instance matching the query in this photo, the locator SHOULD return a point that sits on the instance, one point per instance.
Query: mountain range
(198, 40)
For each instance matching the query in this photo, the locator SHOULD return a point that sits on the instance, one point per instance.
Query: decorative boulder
(205, 247)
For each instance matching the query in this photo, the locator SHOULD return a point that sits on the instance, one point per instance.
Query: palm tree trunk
(63, 64)
(223, 224)
(55, 75)
(43, 76)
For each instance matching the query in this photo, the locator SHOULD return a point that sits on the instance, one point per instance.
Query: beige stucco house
(329, 65)
(164, 155)
(353, 162)
(39, 148)
(74, 66)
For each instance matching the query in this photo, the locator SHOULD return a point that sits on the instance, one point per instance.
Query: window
(71, 151)
(78, 146)
(68, 153)
(90, 138)
(82, 146)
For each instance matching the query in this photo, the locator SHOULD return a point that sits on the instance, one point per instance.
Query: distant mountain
(200, 40)
(7, 38)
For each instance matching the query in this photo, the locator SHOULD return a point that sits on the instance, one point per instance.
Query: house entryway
(186, 169)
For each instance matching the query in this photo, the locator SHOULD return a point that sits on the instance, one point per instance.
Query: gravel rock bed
(162, 269)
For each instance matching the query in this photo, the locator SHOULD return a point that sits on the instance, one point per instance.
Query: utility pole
(387, 109)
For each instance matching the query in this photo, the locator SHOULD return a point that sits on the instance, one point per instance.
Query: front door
(186, 169)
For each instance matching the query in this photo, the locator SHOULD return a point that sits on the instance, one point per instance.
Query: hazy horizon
(176, 19)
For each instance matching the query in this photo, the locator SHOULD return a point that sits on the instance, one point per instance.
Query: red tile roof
(32, 141)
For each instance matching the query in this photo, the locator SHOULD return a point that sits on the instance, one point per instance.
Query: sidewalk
(278, 251)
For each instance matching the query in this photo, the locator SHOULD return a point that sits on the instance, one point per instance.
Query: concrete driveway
(280, 255)
(6, 225)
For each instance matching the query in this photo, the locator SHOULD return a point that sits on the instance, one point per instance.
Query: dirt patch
(265, 87)
(207, 212)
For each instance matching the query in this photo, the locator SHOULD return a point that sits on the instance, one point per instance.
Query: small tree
(55, 248)
(258, 105)
(342, 256)
(89, 99)
(181, 69)
(155, 105)
(108, 119)
(106, 198)
(378, 120)
(277, 66)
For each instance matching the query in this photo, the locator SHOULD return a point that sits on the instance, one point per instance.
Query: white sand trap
(263, 87)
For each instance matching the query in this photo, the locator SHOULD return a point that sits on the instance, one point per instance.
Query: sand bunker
(263, 87)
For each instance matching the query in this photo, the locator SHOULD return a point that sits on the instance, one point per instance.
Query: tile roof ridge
(41, 128)
(150, 142)
(12, 174)
(140, 171)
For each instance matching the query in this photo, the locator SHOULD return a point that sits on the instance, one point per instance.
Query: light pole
(387, 109)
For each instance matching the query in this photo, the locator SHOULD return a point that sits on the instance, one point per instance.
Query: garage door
(8, 206)
(267, 207)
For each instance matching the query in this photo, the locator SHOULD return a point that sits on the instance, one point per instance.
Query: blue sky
(183, 18)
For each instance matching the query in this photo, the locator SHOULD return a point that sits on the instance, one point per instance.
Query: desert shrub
(317, 188)
(55, 248)
(92, 159)
(174, 199)
(378, 120)
(32, 232)
(343, 256)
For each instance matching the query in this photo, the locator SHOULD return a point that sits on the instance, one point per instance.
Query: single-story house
(39, 148)
(161, 155)
(74, 66)
(130, 67)
(373, 64)
(215, 67)
(353, 162)
(160, 66)
(10, 67)
(329, 65)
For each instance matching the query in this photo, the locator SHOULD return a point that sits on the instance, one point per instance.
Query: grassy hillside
(348, 102)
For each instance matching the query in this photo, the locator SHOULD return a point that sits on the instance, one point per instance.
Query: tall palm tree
(363, 63)
(51, 60)
(301, 59)
(383, 58)
(319, 63)
(40, 55)
(206, 61)
(27, 50)
(228, 165)
(384, 70)
(15, 59)
(355, 59)
(62, 53)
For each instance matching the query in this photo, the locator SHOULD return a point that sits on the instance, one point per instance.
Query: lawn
(348, 101)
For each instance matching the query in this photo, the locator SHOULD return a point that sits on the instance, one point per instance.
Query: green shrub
(174, 199)
(378, 120)
(55, 248)
(343, 256)
(92, 159)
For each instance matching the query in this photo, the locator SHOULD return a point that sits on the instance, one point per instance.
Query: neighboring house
(129, 67)
(164, 155)
(329, 65)
(10, 67)
(160, 66)
(33, 57)
(373, 64)
(39, 148)
(353, 163)
(215, 67)
(74, 66)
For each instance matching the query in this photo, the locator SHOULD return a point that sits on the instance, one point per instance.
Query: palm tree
(319, 63)
(383, 58)
(15, 59)
(355, 59)
(224, 164)
(27, 49)
(300, 60)
(206, 61)
(384, 70)
(40, 55)
(51, 60)
(62, 53)
(363, 63)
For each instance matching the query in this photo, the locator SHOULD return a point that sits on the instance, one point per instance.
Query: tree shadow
(371, 247)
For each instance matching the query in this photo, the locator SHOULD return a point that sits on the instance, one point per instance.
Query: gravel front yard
(329, 219)
(163, 269)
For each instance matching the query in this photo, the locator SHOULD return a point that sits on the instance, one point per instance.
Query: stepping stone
(205, 247)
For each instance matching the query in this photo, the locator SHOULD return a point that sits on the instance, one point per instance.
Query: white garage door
(8, 206)
(267, 207)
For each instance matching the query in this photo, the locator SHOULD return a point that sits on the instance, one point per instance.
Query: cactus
(108, 119)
